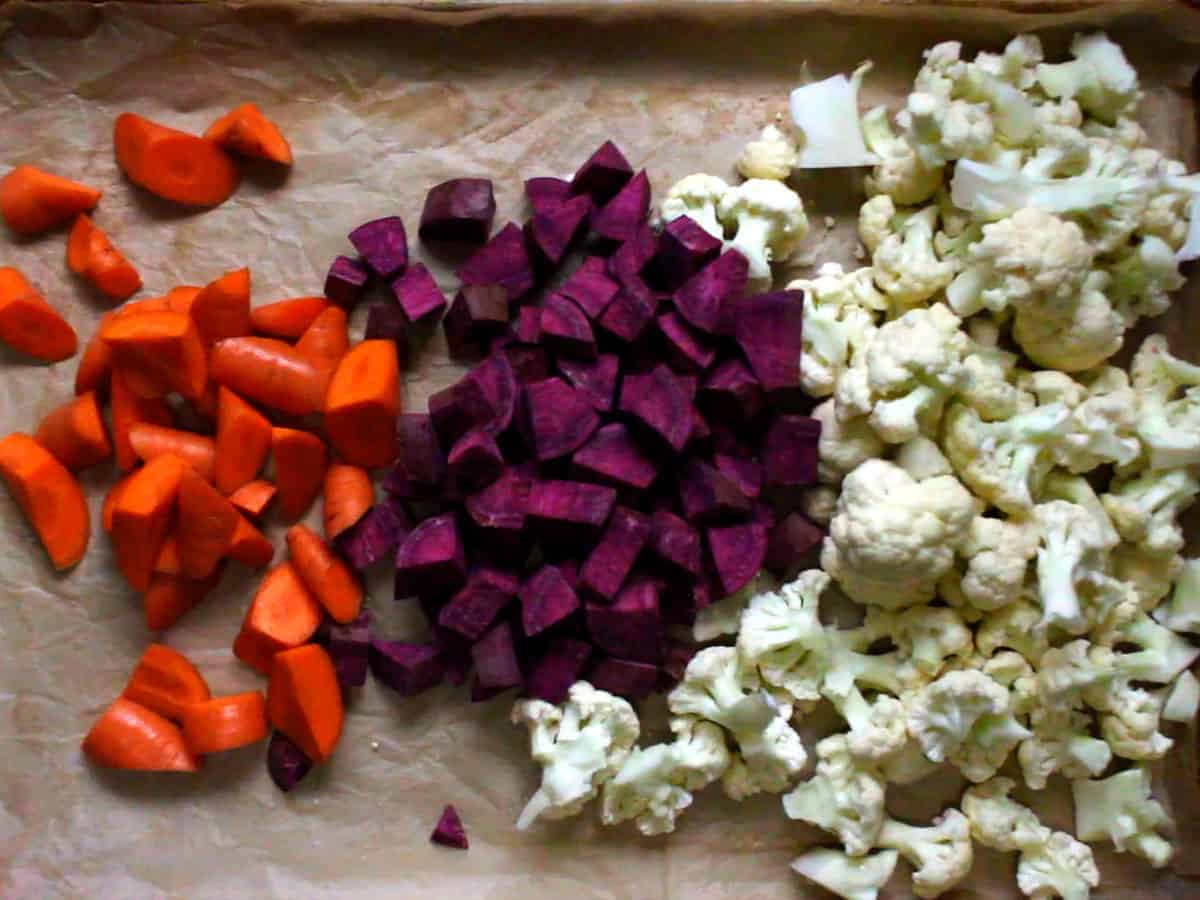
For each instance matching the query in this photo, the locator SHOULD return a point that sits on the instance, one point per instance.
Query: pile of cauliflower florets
(1002, 503)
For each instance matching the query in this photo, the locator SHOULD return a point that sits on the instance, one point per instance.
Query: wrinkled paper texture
(378, 110)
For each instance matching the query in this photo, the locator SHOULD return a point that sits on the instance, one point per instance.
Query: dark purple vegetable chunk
(559, 668)
(453, 651)
(495, 658)
(377, 535)
(348, 647)
(474, 462)
(676, 542)
(623, 215)
(449, 831)
(287, 764)
(431, 560)
(459, 211)
(706, 495)
(738, 553)
(546, 599)
(730, 393)
(701, 430)
(629, 261)
(744, 471)
(767, 328)
(590, 287)
(632, 626)
(559, 418)
(458, 409)
(383, 244)
(612, 559)
(528, 327)
(595, 378)
(687, 350)
(387, 322)
(479, 313)
(659, 401)
(346, 280)
(502, 261)
(503, 505)
(472, 610)
(603, 175)
(626, 317)
(547, 193)
(704, 297)
(789, 452)
(791, 542)
(408, 669)
(418, 294)
(613, 457)
(684, 248)
(481, 694)
(565, 329)
(420, 458)
(553, 230)
(499, 383)
(571, 502)
(528, 364)
(624, 677)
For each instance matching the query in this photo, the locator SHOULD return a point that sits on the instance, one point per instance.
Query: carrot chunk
(130, 736)
(49, 496)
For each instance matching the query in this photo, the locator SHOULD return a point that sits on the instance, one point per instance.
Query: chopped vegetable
(222, 308)
(503, 261)
(554, 229)
(304, 700)
(431, 559)
(130, 736)
(613, 456)
(225, 723)
(282, 615)
(345, 281)
(383, 245)
(326, 341)
(205, 528)
(547, 193)
(546, 599)
(459, 211)
(31, 325)
(418, 294)
(558, 668)
(684, 248)
(287, 764)
(564, 329)
(254, 497)
(91, 254)
(151, 442)
(495, 658)
(246, 131)
(287, 318)
(172, 164)
(612, 559)
(75, 433)
(658, 401)
(33, 201)
(590, 287)
(376, 536)
(624, 678)
(603, 175)
(300, 466)
(631, 627)
(408, 669)
(166, 682)
(708, 298)
(349, 645)
(826, 112)
(363, 403)
(449, 831)
(559, 418)
(478, 314)
(270, 372)
(738, 552)
(621, 217)
(326, 576)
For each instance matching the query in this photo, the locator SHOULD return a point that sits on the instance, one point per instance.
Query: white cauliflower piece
(941, 855)
(944, 130)
(997, 554)
(1163, 654)
(929, 636)
(1099, 78)
(1076, 489)
(1131, 721)
(988, 745)
(1102, 426)
(698, 197)
(922, 458)
(988, 387)
(1062, 742)
(820, 502)
(1145, 509)
(1122, 809)
(878, 728)
(1060, 867)
(1072, 336)
(1182, 611)
(724, 616)
(1074, 548)
(768, 221)
(839, 322)
(772, 156)
(942, 714)
(844, 445)
(1183, 701)
(1143, 279)
(782, 637)
(1017, 626)
(901, 174)
(1149, 574)
(1168, 407)
(875, 221)
(844, 797)
(906, 266)
(999, 822)
(849, 877)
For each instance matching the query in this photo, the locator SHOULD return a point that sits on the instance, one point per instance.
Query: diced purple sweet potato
(496, 378)
(684, 248)
(387, 322)
(547, 193)
(474, 462)
(458, 409)
(687, 349)
(503, 261)
(383, 245)
(738, 553)
(346, 280)
(419, 457)
(676, 657)
(449, 831)
(626, 317)
(560, 667)
(571, 503)
(744, 471)
(347, 645)
(624, 677)
(631, 626)
(613, 558)
(767, 327)
(287, 764)
(613, 457)
(595, 378)
(565, 329)
(622, 216)
(474, 609)
(529, 364)
(503, 505)
(701, 430)
(791, 543)
(453, 651)
(546, 599)
(690, 383)
(675, 541)
(408, 669)
(658, 400)
(377, 535)
(554, 230)
(527, 328)
(590, 287)
(603, 175)
(630, 260)
(706, 495)
(495, 658)
(730, 393)
(418, 294)
(560, 419)
(789, 452)
(431, 560)
(479, 313)
(458, 211)
(703, 299)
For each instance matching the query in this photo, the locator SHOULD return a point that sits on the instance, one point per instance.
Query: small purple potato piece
(730, 393)
(287, 764)
(571, 503)
(684, 248)
(560, 418)
(479, 313)
(590, 287)
(704, 297)
(346, 280)
(626, 317)
(595, 378)
(560, 667)
(408, 669)
(473, 609)
(707, 496)
(458, 211)
(453, 650)
(744, 471)
(791, 543)
(630, 260)
(738, 553)
(687, 349)
(418, 294)
(565, 329)
(554, 230)
(546, 599)
(503, 505)
(495, 658)
(348, 647)
(420, 458)
(449, 831)
(503, 261)
(675, 541)
(377, 535)
(383, 245)
(612, 559)
(631, 626)
(603, 175)
(387, 322)
(659, 401)
(613, 457)
(547, 193)
(529, 364)
(527, 329)
(623, 215)
(458, 409)
(624, 677)
(496, 378)
(789, 452)
(767, 327)
(701, 430)
(431, 560)
(474, 462)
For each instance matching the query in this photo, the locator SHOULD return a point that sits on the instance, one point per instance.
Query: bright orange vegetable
(128, 409)
(326, 340)
(363, 403)
(152, 441)
(270, 372)
(247, 131)
(142, 517)
(168, 558)
(304, 700)
(130, 736)
(207, 522)
(75, 433)
(282, 615)
(174, 165)
(91, 253)
(288, 318)
(170, 596)
(222, 308)
(49, 496)
(166, 682)
(250, 546)
(349, 494)
(110, 503)
(253, 498)
(159, 352)
(32, 201)
(95, 365)
(176, 300)
(300, 461)
(243, 441)
(225, 723)
(326, 576)
(31, 325)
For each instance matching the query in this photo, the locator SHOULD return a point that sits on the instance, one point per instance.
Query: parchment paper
(378, 109)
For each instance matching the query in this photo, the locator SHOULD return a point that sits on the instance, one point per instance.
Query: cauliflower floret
(769, 222)
(772, 156)
(1169, 426)
(782, 637)
(892, 537)
(820, 502)
(988, 746)
(942, 714)
(901, 173)
(922, 458)
(943, 130)
(1183, 700)
(844, 797)
(1102, 424)
(1143, 278)
(906, 267)
(875, 221)
(1072, 336)
(1131, 722)
(1163, 654)
(1149, 574)
(1145, 509)
(988, 388)
(929, 636)
(878, 728)
(1182, 612)
(1062, 743)
(580, 744)
(997, 554)
(1059, 867)
(1017, 626)
(724, 616)
(849, 877)
(833, 336)
(1074, 547)
(998, 821)
(698, 197)
(1076, 489)
(1099, 77)
(1121, 809)
(940, 855)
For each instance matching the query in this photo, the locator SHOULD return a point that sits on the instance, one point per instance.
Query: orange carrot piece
(110, 503)
(161, 352)
(282, 615)
(152, 441)
(166, 682)
(128, 410)
(247, 131)
(75, 433)
(168, 558)
(363, 403)
(327, 339)
(304, 700)
(287, 318)
(326, 576)
(130, 736)
(225, 723)
(91, 253)
(207, 522)
(49, 496)
(32, 201)
(222, 308)
(243, 442)
(250, 546)
(349, 494)
(142, 517)
(253, 498)
(300, 461)
(170, 596)
(270, 372)
(173, 164)
(31, 325)
(176, 300)
(95, 366)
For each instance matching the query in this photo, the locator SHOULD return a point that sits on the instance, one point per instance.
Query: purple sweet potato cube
(571, 503)
(595, 378)
(560, 419)
(590, 287)
(744, 471)
(546, 599)
(386, 322)
(792, 542)
(383, 245)
(767, 327)
(377, 535)
(706, 495)
(479, 313)
(495, 377)
(730, 393)
(458, 211)
(503, 505)
(346, 281)
(687, 349)
(503, 261)
(287, 764)
(603, 175)
(612, 559)
(630, 260)
(554, 230)
(624, 678)
(527, 328)
(418, 294)
(495, 658)
(675, 541)
(631, 626)
(348, 645)
(560, 667)
(738, 553)
(449, 831)
(458, 409)
(613, 457)
(528, 363)
(420, 458)
(565, 329)
(684, 248)
(547, 193)
(431, 560)
(703, 299)
(473, 609)
(659, 401)
(622, 216)
(626, 317)
(408, 669)
(474, 462)
(789, 451)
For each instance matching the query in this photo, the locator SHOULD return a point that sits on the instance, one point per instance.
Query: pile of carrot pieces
(201, 391)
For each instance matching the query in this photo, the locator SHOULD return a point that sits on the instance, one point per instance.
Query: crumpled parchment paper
(378, 109)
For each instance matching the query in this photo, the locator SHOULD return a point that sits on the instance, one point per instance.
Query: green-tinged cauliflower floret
(901, 173)
(905, 265)
(698, 197)
(844, 445)
(941, 854)
(1017, 626)
(998, 821)
(1074, 548)
(1073, 336)
(1059, 867)
(943, 714)
(927, 636)
(782, 637)
(1182, 612)
(1145, 509)
(1150, 575)
(839, 321)
(1131, 720)
(772, 156)
(878, 728)
(724, 616)
(1168, 410)
(1143, 278)
(844, 797)
(1099, 78)
(848, 877)
(1121, 809)
(1062, 742)
(768, 221)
